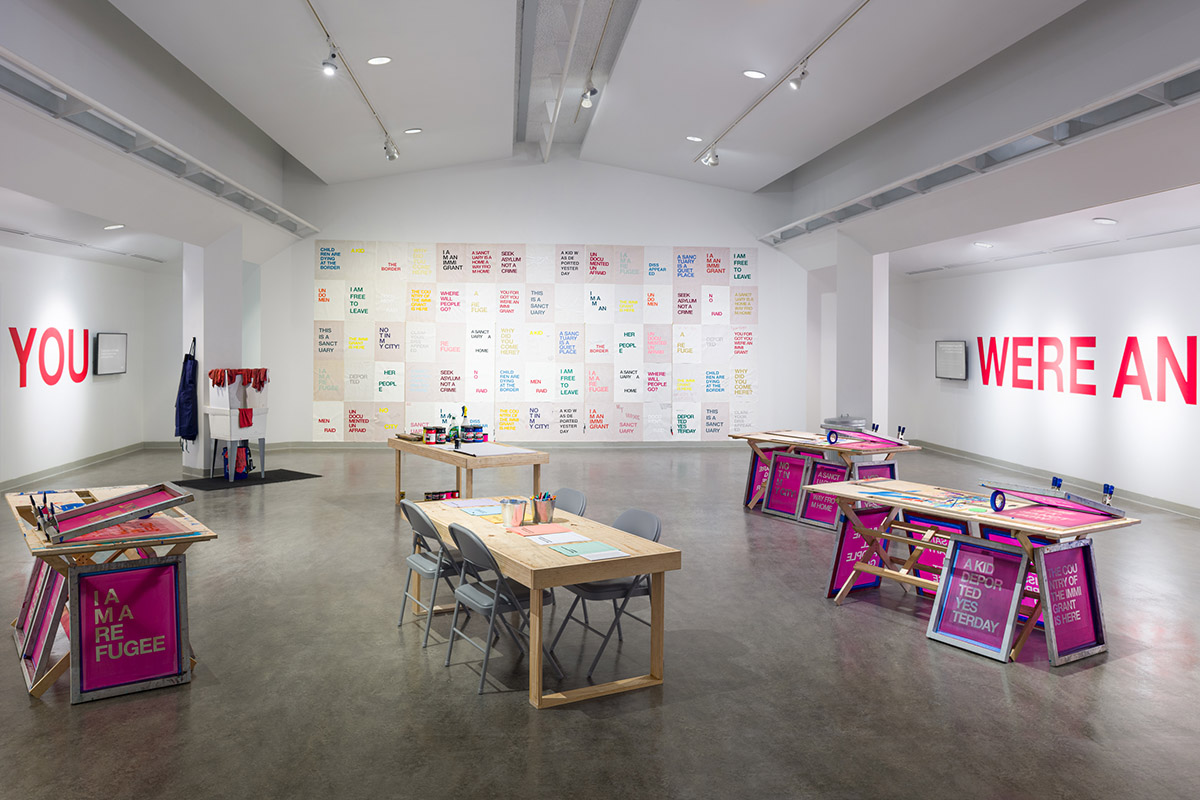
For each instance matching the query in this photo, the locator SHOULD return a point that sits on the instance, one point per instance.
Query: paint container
(512, 512)
(440, 434)
(543, 510)
(430, 434)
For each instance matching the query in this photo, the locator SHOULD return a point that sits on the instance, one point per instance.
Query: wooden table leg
(399, 494)
(470, 483)
(535, 648)
(537, 479)
(657, 623)
(458, 481)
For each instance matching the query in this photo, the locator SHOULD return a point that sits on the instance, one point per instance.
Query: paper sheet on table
(540, 528)
(483, 511)
(605, 555)
(484, 449)
(470, 502)
(558, 538)
(492, 518)
(587, 548)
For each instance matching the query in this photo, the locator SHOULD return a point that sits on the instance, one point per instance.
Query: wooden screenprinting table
(79, 552)
(538, 567)
(462, 462)
(815, 443)
(969, 507)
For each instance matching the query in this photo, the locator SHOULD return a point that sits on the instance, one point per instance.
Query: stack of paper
(558, 538)
(592, 551)
(470, 502)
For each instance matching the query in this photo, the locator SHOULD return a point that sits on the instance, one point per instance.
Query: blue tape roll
(997, 500)
(831, 437)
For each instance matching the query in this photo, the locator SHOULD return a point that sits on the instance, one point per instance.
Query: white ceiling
(26, 222)
(452, 74)
(1165, 219)
(680, 73)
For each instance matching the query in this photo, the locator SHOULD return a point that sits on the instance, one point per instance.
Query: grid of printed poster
(539, 342)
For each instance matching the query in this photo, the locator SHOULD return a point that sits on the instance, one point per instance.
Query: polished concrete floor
(306, 687)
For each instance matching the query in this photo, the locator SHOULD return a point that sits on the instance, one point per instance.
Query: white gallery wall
(1131, 415)
(71, 414)
(523, 200)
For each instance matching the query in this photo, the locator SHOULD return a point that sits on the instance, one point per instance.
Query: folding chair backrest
(422, 526)
(640, 523)
(571, 501)
(477, 559)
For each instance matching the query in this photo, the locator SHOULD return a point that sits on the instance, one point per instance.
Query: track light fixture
(710, 158)
(330, 65)
(389, 149)
(589, 91)
(798, 79)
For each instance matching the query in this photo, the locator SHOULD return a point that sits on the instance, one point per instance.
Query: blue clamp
(1109, 491)
(900, 429)
(874, 427)
(1056, 482)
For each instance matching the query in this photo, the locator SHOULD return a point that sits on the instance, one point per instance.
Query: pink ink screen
(851, 547)
(784, 493)
(1053, 501)
(762, 471)
(49, 622)
(823, 507)
(1056, 517)
(101, 514)
(155, 526)
(928, 557)
(1031, 580)
(885, 469)
(978, 591)
(129, 626)
(1070, 599)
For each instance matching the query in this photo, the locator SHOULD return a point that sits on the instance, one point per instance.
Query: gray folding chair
(618, 590)
(492, 598)
(431, 559)
(571, 501)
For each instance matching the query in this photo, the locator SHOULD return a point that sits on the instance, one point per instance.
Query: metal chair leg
(616, 621)
(453, 630)
(487, 653)
(404, 602)
(429, 613)
(617, 617)
(563, 627)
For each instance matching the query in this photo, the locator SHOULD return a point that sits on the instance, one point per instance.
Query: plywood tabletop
(816, 441)
(539, 567)
(466, 461)
(965, 505)
(39, 544)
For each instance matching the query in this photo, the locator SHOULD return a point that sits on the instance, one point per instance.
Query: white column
(880, 325)
(212, 312)
(855, 339)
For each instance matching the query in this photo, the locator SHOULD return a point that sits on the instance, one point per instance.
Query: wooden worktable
(970, 507)
(539, 567)
(464, 463)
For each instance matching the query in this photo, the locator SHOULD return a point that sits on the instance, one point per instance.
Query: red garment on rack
(255, 377)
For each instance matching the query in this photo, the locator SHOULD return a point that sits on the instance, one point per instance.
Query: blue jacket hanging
(187, 415)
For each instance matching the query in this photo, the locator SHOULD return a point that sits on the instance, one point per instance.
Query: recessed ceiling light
(412, 130)
(113, 227)
(694, 139)
(753, 73)
(379, 61)
(984, 245)
(1104, 220)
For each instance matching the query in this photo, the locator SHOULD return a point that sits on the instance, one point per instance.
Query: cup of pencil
(543, 507)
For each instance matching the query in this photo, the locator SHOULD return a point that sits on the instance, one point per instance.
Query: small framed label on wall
(950, 360)
(111, 352)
